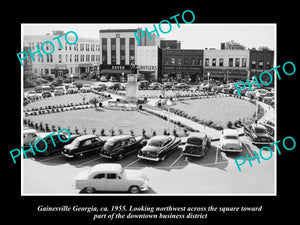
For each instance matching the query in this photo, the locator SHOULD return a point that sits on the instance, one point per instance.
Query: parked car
(242, 92)
(113, 79)
(82, 145)
(72, 89)
(158, 147)
(181, 86)
(270, 127)
(118, 147)
(59, 90)
(58, 146)
(197, 144)
(85, 88)
(111, 177)
(143, 84)
(29, 136)
(169, 85)
(260, 93)
(268, 97)
(229, 89)
(46, 94)
(32, 94)
(258, 134)
(155, 86)
(103, 79)
(230, 141)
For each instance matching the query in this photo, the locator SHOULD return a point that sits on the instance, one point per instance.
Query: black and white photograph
(183, 113)
(150, 113)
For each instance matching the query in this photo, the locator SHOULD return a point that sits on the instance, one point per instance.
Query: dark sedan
(53, 142)
(118, 147)
(82, 145)
(258, 134)
(197, 144)
(158, 147)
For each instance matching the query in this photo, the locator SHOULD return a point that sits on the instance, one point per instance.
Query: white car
(86, 88)
(230, 141)
(111, 177)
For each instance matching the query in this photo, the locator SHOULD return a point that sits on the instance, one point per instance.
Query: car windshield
(231, 137)
(76, 143)
(260, 130)
(194, 141)
(109, 145)
(155, 143)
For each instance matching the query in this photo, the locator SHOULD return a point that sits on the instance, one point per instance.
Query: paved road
(216, 173)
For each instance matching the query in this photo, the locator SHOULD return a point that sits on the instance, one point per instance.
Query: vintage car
(242, 92)
(59, 90)
(270, 127)
(58, 146)
(85, 88)
(118, 147)
(197, 144)
(258, 134)
(230, 141)
(269, 97)
(158, 147)
(29, 136)
(111, 177)
(72, 89)
(260, 94)
(82, 145)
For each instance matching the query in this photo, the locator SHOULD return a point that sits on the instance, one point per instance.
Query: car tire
(120, 156)
(89, 190)
(134, 189)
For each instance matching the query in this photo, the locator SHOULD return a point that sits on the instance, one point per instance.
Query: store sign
(116, 67)
(147, 67)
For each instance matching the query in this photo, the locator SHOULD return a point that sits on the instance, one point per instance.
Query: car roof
(197, 135)
(160, 137)
(84, 137)
(258, 126)
(106, 167)
(119, 138)
(230, 132)
(29, 131)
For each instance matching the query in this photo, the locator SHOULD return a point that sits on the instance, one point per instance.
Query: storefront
(225, 74)
(119, 72)
(191, 74)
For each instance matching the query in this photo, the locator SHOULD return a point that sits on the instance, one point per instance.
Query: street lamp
(208, 78)
(169, 103)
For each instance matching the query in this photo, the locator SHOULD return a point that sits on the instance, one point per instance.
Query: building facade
(226, 65)
(170, 44)
(182, 65)
(149, 62)
(80, 58)
(261, 61)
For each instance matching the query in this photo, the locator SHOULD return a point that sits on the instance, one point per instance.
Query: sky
(192, 36)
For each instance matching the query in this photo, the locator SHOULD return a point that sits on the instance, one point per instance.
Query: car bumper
(148, 158)
(67, 155)
(192, 154)
(231, 149)
(106, 156)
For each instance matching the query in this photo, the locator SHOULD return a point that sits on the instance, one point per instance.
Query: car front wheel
(89, 190)
(134, 189)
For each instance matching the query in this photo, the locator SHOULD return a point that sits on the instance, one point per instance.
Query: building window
(172, 61)
(66, 46)
(253, 64)
(260, 64)
(66, 58)
(104, 51)
(206, 61)
(81, 47)
(87, 58)
(179, 61)
(166, 60)
(113, 51)
(59, 58)
(221, 62)
(131, 50)
(230, 63)
(214, 62)
(237, 62)
(87, 47)
(268, 64)
(244, 62)
(71, 57)
(122, 51)
(185, 61)
(92, 47)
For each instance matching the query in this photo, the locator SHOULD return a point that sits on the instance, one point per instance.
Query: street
(216, 173)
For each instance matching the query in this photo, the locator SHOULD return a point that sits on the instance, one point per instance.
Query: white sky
(192, 36)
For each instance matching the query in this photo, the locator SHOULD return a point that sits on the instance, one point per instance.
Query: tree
(94, 101)
(234, 45)
(263, 48)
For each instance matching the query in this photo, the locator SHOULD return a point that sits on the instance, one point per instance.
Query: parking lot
(216, 173)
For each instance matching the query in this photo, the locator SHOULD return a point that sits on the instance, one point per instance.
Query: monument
(132, 88)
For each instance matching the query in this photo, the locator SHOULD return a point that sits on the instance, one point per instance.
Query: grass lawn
(63, 99)
(219, 110)
(106, 119)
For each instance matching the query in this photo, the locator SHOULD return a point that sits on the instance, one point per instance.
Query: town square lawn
(220, 110)
(107, 119)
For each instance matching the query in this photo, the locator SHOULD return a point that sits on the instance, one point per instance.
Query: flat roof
(118, 30)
